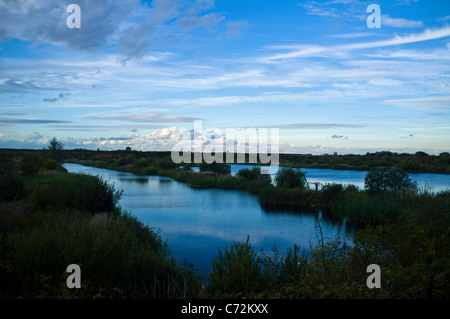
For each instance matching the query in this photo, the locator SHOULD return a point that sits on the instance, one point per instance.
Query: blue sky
(137, 71)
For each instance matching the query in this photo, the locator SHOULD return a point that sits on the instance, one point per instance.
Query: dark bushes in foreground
(77, 191)
(119, 256)
(413, 254)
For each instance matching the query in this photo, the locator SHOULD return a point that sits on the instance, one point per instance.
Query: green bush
(237, 270)
(393, 180)
(119, 257)
(332, 191)
(77, 192)
(50, 164)
(291, 178)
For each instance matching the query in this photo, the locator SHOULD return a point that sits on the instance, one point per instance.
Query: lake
(435, 182)
(197, 223)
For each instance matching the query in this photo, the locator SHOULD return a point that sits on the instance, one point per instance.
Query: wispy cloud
(146, 118)
(11, 121)
(301, 51)
(386, 20)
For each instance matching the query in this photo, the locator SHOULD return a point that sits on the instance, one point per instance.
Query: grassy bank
(51, 219)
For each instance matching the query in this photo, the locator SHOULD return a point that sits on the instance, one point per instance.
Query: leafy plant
(291, 178)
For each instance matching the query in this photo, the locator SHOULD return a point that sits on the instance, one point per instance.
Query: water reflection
(197, 223)
(133, 180)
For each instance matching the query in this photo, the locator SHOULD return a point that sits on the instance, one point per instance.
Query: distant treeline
(419, 162)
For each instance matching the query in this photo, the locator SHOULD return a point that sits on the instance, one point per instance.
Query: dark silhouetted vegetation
(291, 178)
(392, 180)
(49, 219)
(218, 168)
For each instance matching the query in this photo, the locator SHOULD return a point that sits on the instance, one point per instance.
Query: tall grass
(73, 219)
(77, 191)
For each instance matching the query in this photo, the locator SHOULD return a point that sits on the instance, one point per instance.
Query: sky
(136, 72)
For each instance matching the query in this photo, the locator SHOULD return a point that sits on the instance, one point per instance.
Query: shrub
(219, 168)
(394, 180)
(332, 191)
(50, 164)
(237, 270)
(78, 192)
(291, 178)
(253, 174)
(119, 257)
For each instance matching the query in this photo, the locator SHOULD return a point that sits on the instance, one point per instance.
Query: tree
(291, 178)
(393, 180)
(55, 145)
(398, 180)
(374, 181)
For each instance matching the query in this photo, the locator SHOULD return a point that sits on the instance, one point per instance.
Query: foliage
(142, 163)
(218, 168)
(120, 257)
(50, 164)
(236, 270)
(166, 163)
(76, 191)
(332, 191)
(291, 178)
(125, 160)
(55, 145)
(393, 180)
(254, 174)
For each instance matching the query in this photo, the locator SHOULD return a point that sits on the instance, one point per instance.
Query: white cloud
(302, 51)
(128, 25)
(386, 20)
(36, 136)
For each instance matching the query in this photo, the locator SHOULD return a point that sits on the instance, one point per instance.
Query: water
(435, 182)
(197, 223)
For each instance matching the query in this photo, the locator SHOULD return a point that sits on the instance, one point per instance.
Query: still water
(197, 223)
(433, 182)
